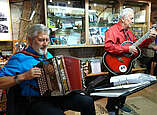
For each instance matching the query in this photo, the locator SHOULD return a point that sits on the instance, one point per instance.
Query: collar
(120, 27)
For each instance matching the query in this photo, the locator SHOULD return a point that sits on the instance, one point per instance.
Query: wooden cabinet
(66, 22)
(82, 23)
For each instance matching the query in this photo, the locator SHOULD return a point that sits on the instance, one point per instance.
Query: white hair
(35, 29)
(125, 13)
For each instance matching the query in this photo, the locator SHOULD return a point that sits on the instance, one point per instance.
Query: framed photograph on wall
(5, 21)
(19, 47)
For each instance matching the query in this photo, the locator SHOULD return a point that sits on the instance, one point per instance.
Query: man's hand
(32, 73)
(154, 47)
(133, 49)
(153, 34)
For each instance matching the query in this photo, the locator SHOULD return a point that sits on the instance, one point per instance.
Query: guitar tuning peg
(154, 26)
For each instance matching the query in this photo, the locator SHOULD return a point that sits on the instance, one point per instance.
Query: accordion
(60, 76)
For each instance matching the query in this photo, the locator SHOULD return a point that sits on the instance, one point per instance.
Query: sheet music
(131, 78)
(118, 91)
(123, 86)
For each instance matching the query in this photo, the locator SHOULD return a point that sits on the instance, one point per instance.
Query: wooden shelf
(97, 74)
(138, 69)
(73, 46)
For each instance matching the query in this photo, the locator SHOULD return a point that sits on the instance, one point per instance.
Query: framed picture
(5, 21)
(19, 47)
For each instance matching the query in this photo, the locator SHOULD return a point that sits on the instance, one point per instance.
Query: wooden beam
(86, 21)
(27, 7)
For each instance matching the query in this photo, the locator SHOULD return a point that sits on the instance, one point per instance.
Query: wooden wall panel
(16, 11)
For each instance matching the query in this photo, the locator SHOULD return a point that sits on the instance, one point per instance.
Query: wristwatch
(17, 80)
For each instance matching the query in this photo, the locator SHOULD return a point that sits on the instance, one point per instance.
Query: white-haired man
(114, 37)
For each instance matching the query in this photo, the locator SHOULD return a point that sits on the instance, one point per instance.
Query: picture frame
(5, 21)
(23, 45)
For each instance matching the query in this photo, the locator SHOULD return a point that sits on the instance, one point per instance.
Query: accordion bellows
(60, 76)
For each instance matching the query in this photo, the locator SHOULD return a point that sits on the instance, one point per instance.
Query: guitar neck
(141, 39)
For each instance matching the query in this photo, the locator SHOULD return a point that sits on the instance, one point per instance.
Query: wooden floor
(99, 106)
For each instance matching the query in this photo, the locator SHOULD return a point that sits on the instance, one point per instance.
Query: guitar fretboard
(141, 39)
(144, 37)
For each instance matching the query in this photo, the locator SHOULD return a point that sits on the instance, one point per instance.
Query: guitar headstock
(154, 26)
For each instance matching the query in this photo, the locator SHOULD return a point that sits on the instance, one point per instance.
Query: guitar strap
(129, 37)
(126, 35)
(28, 53)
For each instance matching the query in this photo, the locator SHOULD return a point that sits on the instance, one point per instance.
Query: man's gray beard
(42, 52)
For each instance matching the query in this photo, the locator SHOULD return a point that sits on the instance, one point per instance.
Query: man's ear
(122, 19)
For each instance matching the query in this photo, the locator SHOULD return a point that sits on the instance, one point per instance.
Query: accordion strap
(28, 53)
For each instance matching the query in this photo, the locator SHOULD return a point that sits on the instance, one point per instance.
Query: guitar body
(120, 64)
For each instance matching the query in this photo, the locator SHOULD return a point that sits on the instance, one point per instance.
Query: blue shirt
(20, 63)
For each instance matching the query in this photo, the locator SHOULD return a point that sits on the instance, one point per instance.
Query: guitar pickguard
(122, 68)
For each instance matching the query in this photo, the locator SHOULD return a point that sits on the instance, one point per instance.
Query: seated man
(20, 76)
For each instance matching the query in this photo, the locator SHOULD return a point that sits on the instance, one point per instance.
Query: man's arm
(111, 44)
(9, 81)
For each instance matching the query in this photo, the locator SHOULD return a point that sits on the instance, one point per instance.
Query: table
(117, 92)
(134, 84)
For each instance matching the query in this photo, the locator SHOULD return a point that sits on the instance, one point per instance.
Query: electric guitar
(122, 64)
